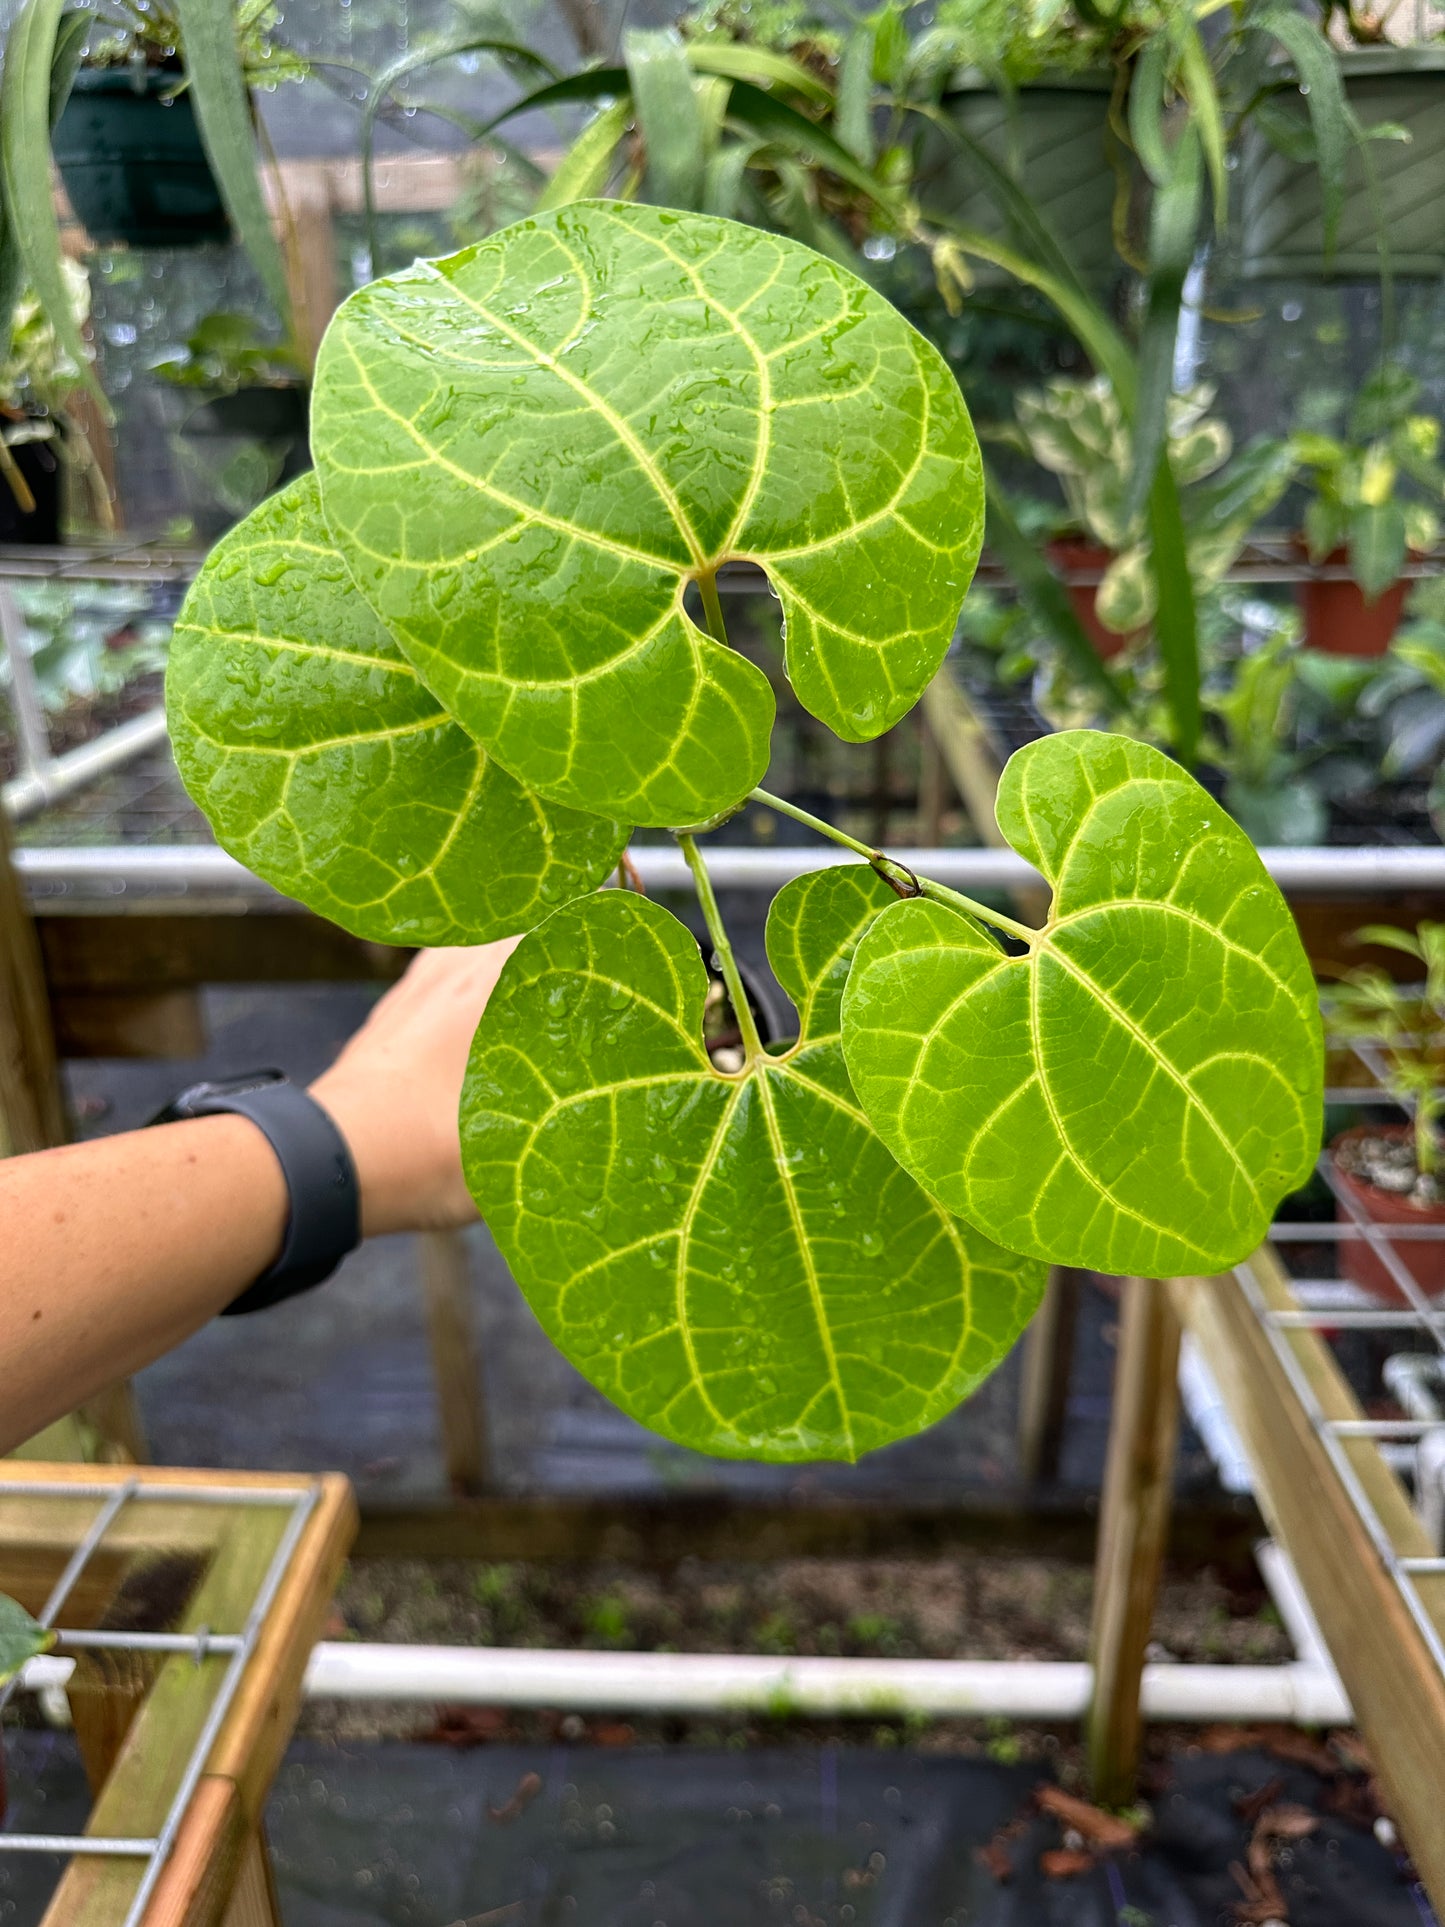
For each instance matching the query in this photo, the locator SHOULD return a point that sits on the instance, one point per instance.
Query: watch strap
(324, 1221)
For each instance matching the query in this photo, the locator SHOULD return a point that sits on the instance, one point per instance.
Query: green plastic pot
(133, 163)
(1282, 228)
(1051, 137)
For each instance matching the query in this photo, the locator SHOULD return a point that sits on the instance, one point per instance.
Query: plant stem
(712, 606)
(894, 872)
(722, 944)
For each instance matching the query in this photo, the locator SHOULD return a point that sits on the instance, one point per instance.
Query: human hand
(394, 1090)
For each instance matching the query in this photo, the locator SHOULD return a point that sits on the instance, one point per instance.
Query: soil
(975, 1608)
(1388, 1163)
(82, 720)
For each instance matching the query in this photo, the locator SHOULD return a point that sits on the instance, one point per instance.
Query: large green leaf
(1135, 1093)
(735, 1260)
(21, 1637)
(527, 452)
(326, 765)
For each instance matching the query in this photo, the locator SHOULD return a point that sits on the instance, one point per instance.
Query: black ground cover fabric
(414, 1835)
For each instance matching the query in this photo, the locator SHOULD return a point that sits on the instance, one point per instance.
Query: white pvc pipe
(681, 1683)
(202, 869)
(59, 776)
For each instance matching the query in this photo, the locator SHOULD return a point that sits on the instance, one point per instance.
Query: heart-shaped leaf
(529, 450)
(735, 1260)
(1138, 1091)
(326, 765)
(21, 1637)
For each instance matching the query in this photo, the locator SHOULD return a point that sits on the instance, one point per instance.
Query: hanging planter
(1050, 136)
(38, 461)
(1282, 227)
(133, 164)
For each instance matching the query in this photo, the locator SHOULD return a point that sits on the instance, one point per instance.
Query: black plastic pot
(1398, 193)
(1050, 136)
(233, 450)
(133, 163)
(39, 462)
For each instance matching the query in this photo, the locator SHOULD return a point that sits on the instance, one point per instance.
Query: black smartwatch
(325, 1217)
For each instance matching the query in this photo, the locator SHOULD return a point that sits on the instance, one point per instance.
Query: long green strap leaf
(25, 103)
(583, 170)
(1176, 626)
(760, 64)
(223, 114)
(511, 52)
(1197, 78)
(69, 39)
(1329, 110)
(1100, 339)
(1046, 596)
(1173, 230)
(854, 119)
(669, 116)
(1146, 109)
(773, 117)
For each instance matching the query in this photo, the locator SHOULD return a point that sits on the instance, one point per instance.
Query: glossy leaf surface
(735, 1260)
(327, 766)
(528, 451)
(1135, 1094)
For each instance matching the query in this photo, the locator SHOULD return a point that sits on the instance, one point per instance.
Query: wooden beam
(144, 1023)
(1133, 1531)
(148, 953)
(451, 1332)
(1395, 1687)
(143, 1781)
(658, 1532)
(1048, 1356)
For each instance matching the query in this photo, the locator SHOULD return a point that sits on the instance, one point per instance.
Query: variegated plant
(430, 690)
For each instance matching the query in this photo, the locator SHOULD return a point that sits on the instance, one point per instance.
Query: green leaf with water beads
(327, 766)
(528, 451)
(735, 1260)
(21, 1637)
(1137, 1092)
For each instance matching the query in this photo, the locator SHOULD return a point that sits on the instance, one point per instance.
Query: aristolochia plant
(430, 689)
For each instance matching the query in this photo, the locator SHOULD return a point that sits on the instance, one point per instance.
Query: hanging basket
(1051, 137)
(1282, 227)
(133, 163)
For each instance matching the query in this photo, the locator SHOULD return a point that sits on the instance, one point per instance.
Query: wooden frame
(140, 1718)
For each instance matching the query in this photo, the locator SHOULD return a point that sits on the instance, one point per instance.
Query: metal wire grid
(1418, 1315)
(236, 1647)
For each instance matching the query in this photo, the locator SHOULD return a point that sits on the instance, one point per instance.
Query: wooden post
(446, 1292)
(933, 786)
(1048, 1355)
(1133, 1527)
(32, 1116)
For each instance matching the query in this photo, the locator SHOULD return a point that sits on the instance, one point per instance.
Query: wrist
(408, 1164)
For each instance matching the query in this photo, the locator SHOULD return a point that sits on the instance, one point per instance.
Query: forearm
(112, 1252)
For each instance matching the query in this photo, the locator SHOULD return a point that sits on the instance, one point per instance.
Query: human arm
(112, 1252)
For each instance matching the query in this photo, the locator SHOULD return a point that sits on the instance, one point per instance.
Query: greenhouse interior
(722, 963)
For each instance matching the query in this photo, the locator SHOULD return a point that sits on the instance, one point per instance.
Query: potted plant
(1361, 515)
(431, 688)
(38, 432)
(1076, 430)
(1395, 1173)
(237, 413)
(128, 145)
(1377, 205)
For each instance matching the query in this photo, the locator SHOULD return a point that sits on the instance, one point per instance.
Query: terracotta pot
(1075, 551)
(1424, 1260)
(1338, 619)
